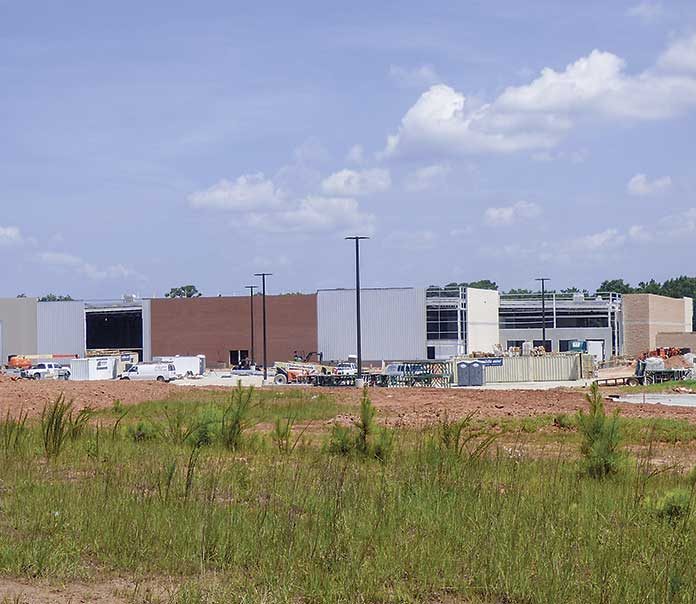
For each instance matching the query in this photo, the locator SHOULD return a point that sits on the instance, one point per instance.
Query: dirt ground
(397, 406)
(105, 591)
(419, 406)
(31, 396)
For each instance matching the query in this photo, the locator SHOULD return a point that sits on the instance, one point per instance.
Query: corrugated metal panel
(18, 316)
(147, 331)
(535, 369)
(61, 328)
(393, 324)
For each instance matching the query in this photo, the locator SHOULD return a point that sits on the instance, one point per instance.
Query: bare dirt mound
(421, 406)
(31, 396)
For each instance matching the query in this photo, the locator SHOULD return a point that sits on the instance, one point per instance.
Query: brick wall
(646, 315)
(677, 340)
(215, 326)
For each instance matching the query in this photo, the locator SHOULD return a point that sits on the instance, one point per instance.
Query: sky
(149, 145)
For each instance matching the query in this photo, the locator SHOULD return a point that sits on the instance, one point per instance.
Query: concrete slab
(649, 398)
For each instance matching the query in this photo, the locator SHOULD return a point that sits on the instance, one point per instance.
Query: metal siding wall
(147, 331)
(18, 316)
(60, 328)
(535, 369)
(393, 324)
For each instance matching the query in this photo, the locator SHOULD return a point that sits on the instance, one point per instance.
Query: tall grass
(12, 433)
(600, 436)
(236, 417)
(435, 521)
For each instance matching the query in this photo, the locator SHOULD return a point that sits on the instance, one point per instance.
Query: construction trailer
(186, 366)
(94, 368)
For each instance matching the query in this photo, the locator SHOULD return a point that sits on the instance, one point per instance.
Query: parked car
(46, 371)
(346, 369)
(162, 372)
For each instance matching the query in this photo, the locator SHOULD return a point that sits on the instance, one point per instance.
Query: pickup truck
(46, 371)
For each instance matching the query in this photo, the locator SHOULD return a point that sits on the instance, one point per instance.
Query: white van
(162, 372)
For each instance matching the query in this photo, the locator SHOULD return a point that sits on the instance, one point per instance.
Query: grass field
(290, 514)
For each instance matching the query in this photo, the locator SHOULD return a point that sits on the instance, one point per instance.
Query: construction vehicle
(648, 371)
(298, 372)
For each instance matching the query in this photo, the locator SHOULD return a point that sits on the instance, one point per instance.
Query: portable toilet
(470, 373)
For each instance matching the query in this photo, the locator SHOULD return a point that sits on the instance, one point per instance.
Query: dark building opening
(116, 329)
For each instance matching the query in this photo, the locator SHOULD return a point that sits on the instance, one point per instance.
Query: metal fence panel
(551, 368)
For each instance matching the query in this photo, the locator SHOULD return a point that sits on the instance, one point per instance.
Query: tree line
(677, 287)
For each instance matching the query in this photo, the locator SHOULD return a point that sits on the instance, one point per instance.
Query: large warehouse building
(397, 324)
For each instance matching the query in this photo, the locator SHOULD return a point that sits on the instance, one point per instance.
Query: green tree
(616, 285)
(184, 291)
(54, 298)
(481, 284)
(519, 291)
(650, 287)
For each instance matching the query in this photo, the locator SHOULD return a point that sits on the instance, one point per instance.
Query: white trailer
(94, 368)
(186, 366)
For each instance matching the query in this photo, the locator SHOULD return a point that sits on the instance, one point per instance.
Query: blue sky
(148, 145)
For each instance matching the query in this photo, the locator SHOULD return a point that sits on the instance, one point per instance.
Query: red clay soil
(419, 406)
(399, 406)
(31, 396)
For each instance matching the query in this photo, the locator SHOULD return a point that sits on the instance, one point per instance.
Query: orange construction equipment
(19, 362)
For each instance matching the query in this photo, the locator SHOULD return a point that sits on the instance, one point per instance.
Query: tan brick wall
(677, 340)
(646, 315)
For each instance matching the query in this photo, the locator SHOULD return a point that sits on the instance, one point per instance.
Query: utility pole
(251, 289)
(357, 239)
(263, 295)
(543, 309)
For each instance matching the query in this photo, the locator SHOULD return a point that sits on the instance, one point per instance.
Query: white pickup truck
(47, 371)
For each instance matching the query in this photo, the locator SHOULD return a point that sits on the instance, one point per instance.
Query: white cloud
(647, 10)
(536, 116)
(598, 242)
(80, 266)
(247, 192)
(411, 240)
(680, 56)
(639, 233)
(427, 177)
(642, 186)
(675, 226)
(574, 157)
(315, 214)
(414, 77)
(10, 235)
(445, 121)
(597, 84)
(352, 182)
(511, 214)
(356, 154)
(311, 151)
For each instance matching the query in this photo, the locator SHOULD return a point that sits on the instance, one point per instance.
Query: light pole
(357, 239)
(263, 296)
(251, 289)
(543, 309)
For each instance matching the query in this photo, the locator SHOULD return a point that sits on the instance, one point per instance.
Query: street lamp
(251, 289)
(543, 309)
(263, 295)
(357, 239)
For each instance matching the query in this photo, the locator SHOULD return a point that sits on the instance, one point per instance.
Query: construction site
(440, 338)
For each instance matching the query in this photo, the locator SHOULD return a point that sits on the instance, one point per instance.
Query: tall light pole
(251, 289)
(543, 309)
(263, 296)
(357, 239)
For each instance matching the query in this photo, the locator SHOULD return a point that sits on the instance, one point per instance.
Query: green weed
(600, 436)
